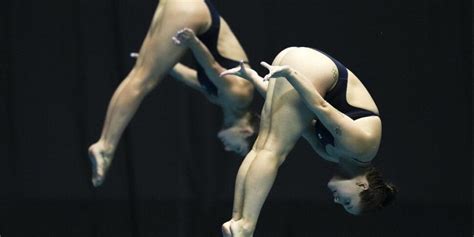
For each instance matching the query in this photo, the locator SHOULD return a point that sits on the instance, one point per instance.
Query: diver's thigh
(316, 67)
(281, 54)
(284, 120)
(159, 53)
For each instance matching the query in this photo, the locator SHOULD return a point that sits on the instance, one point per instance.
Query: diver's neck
(234, 117)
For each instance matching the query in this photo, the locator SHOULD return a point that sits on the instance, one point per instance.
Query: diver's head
(362, 194)
(240, 137)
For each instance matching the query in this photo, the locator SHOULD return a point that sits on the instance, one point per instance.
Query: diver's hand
(242, 71)
(275, 71)
(185, 37)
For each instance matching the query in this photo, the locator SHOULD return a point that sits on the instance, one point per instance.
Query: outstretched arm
(186, 37)
(250, 75)
(186, 75)
(343, 128)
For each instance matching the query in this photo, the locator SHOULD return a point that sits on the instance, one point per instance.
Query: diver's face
(346, 192)
(234, 141)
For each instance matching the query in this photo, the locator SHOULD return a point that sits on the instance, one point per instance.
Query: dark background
(62, 60)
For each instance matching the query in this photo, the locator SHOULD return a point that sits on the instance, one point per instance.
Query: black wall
(60, 62)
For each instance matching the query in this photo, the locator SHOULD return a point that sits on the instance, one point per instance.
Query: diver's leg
(158, 54)
(284, 118)
(239, 192)
(259, 180)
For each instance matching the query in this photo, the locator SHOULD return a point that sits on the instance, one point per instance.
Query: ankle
(236, 215)
(246, 225)
(105, 148)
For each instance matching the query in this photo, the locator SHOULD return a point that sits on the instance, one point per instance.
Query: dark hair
(379, 194)
(255, 124)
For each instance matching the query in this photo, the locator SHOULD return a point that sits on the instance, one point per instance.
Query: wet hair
(379, 194)
(254, 122)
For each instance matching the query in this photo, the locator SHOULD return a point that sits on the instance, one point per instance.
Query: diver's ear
(248, 131)
(363, 185)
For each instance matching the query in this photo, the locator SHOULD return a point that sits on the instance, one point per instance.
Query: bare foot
(238, 229)
(226, 229)
(100, 161)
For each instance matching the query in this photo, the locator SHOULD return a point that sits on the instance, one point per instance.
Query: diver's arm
(182, 73)
(250, 75)
(350, 135)
(185, 75)
(259, 83)
(186, 37)
(310, 136)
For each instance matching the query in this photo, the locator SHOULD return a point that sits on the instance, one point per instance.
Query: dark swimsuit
(209, 38)
(337, 98)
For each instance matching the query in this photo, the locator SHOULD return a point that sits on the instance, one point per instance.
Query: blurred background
(60, 62)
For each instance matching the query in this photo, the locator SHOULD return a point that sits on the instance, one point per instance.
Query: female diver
(214, 48)
(310, 94)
